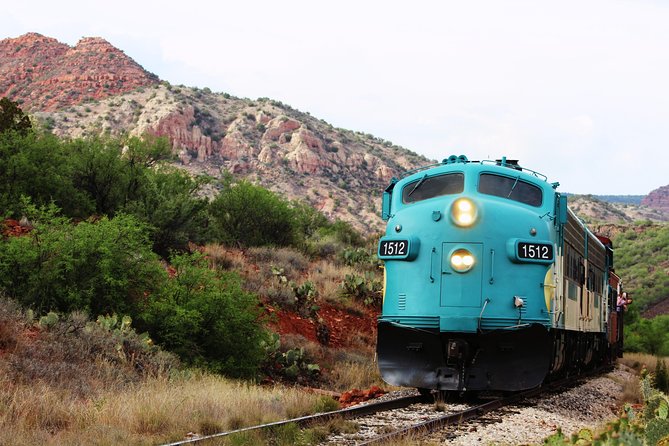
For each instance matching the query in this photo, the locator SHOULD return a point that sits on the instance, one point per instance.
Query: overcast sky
(577, 90)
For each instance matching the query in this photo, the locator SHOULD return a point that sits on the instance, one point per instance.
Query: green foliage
(661, 377)
(308, 219)
(344, 232)
(648, 335)
(98, 266)
(113, 171)
(292, 365)
(641, 257)
(365, 289)
(206, 318)
(38, 166)
(250, 215)
(12, 117)
(168, 202)
(104, 176)
(639, 260)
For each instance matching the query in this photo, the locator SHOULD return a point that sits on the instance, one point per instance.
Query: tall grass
(158, 410)
(639, 361)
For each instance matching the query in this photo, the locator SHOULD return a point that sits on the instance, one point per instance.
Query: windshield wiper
(513, 187)
(417, 185)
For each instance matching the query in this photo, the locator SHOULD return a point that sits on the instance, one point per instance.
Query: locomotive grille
(402, 301)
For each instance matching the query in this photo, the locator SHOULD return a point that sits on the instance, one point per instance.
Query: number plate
(535, 251)
(394, 249)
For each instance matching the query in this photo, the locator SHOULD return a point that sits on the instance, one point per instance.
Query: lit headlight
(462, 260)
(463, 212)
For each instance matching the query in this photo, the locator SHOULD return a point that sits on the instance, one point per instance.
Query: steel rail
(350, 412)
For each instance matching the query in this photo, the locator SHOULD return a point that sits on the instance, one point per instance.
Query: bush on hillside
(169, 204)
(103, 266)
(206, 318)
(249, 215)
(641, 259)
(113, 171)
(40, 167)
(73, 352)
(648, 336)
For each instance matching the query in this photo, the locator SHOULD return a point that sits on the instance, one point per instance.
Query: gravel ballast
(589, 405)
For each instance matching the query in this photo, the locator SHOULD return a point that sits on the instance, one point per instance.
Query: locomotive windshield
(430, 187)
(511, 188)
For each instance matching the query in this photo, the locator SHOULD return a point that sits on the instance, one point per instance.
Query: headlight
(463, 212)
(462, 260)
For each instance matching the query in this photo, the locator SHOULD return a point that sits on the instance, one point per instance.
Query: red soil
(12, 228)
(345, 328)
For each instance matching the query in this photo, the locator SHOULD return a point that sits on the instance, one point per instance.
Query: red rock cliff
(44, 74)
(658, 199)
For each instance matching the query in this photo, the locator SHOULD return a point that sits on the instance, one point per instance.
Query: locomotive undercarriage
(499, 360)
(575, 352)
(504, 360)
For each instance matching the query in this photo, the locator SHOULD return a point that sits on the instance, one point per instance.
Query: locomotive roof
(502, 163)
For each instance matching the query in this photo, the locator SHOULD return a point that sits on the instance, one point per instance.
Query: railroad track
(477, 411)
(419, 429)
(310, 420)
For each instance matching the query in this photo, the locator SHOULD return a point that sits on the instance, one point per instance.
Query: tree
(12, 117)
(103, 266)
(38, 165)
(250, 215)
(167, 201)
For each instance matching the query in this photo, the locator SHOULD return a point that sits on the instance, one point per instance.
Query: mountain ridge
(93, 88)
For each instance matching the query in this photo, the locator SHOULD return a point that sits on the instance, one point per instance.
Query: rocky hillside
(93, 89)
(44, 74)
(658, 199)
(340, 172)
(592, 210)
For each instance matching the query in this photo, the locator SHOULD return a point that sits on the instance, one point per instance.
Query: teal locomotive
(491, 282)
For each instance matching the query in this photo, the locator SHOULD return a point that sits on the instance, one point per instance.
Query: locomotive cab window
(511, 188)
(430, 187)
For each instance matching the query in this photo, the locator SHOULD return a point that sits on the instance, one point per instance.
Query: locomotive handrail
(485, 304)
(496, 162)
(524, 169)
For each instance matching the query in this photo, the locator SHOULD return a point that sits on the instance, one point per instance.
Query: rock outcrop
(658, 199)
(44, 74)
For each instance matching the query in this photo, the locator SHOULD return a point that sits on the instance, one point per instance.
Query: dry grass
(225, 258)
(639, 361)
(156, 411)
(54, 390)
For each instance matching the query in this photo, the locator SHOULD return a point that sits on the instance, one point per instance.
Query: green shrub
(206, 318)
(365, 289)
(250, 215)
(167, 202)
(38, 166)
(102, 266)
(292, 364)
